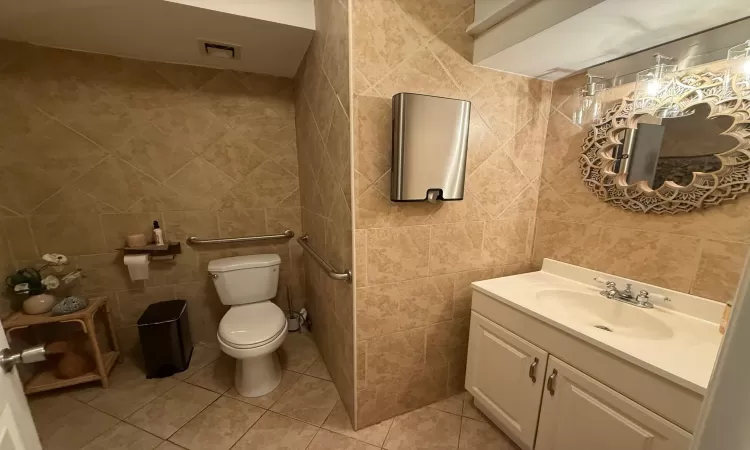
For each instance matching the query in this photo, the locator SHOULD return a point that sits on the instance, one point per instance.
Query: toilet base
(257, 376)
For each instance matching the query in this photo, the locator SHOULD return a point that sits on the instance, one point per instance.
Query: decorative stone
(69, 305)
(38, 304)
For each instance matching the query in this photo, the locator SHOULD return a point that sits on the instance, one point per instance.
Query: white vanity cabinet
(545, 404)
(506, 375)
(579, 413)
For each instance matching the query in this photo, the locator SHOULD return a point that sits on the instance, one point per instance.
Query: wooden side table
(105, 361)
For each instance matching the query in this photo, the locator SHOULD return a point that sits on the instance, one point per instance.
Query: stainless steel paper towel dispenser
(430, 139)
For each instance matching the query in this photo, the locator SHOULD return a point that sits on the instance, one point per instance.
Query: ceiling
(272, 35)
(551, 39)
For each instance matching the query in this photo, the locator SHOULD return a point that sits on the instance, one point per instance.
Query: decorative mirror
(684, 148)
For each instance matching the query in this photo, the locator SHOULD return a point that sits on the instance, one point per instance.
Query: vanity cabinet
(506, 375)
(580, 413)
(542, 403)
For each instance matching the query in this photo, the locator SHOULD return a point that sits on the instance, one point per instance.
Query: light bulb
(653, 87)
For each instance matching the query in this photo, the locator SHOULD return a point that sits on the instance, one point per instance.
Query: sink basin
(604, 314)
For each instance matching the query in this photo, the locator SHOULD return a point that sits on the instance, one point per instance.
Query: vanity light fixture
(741, 52)
(652, 87)
(650, 82)
(738, 66)
(589, 99)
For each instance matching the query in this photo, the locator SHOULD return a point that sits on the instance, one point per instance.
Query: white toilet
(254, 327)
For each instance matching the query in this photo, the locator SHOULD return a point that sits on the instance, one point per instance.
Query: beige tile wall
(701, 252)
(93, 148)
(415, 260)
(323, 129)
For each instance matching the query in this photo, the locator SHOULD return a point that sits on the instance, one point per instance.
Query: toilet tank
(241, 280)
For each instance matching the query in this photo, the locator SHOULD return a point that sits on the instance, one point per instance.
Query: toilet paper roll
(137, 266)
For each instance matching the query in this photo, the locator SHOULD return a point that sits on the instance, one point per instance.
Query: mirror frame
(725, 96)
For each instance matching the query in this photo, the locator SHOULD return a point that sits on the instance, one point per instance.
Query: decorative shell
(55, 259)
(69, 305)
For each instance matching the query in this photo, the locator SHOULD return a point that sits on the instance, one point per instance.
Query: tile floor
(199, 409)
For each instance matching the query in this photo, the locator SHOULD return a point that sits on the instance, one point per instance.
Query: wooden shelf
(46, 379)
(168, 249)
(22, 320)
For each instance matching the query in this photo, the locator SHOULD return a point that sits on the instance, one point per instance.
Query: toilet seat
(251, 326)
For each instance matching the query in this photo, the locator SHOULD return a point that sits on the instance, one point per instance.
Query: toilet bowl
(254, 327)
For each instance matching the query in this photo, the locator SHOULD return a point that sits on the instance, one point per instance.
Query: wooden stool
(105, 361)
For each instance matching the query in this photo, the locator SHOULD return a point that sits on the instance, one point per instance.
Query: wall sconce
(738, 66)
(589, 101)
(651, 90)
(650, 82)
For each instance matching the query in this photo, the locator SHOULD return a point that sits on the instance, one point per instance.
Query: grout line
(105, 432)
(557, 109)
(528, 186)
(60, 122)
(447, 72)
(395, 68)
(468, 192)
(390, 427)
(16, 213)
(329, 413)
(265, 411)
(460, 427)
(313, 438)
(72, 183)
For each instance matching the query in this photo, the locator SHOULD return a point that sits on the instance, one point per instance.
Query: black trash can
(165, 338)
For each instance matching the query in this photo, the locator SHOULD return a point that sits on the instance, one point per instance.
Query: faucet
(626, 295)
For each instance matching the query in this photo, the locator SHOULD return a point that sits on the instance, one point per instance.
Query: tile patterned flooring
(200, 410)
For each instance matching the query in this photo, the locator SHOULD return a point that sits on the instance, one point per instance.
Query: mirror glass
(671, 149)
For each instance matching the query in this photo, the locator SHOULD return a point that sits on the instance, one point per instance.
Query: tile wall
(701, 252)
(415, 260)
(93, 148)
(323, 130)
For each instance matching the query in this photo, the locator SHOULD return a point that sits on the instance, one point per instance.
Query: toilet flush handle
(214, 275)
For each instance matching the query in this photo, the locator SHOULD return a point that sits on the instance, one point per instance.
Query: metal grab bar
(192, 240)
(330, 271)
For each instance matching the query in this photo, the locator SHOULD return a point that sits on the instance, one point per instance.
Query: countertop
(687, 357)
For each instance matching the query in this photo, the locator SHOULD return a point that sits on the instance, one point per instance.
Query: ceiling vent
(219, 50)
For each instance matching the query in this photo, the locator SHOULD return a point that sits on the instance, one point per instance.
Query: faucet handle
(645, 296)
(659, 297)
(609, 284)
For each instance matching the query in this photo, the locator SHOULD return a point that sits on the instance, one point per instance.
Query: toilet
(254, 327)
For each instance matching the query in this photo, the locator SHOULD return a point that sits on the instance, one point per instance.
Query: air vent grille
(219, 50)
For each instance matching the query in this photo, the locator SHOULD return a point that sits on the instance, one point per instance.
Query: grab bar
(330, 271)
(192, 240)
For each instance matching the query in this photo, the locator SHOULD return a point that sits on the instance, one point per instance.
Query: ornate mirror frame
(706, 189)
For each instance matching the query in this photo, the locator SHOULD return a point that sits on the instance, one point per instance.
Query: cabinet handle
(532, 370)
(551, 382)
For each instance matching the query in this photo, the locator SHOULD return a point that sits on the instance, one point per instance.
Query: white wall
(725, 414)
(298, 13)
(161, 31)
(604, 31)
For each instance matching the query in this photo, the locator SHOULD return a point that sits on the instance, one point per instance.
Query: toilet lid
(251, 325)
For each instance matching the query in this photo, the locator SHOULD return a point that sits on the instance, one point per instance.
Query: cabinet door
(579, 413)
(505, 374)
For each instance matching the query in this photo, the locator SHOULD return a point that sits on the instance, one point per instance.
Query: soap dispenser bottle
(158, 234)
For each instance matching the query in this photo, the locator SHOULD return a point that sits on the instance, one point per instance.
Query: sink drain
(602, 327)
